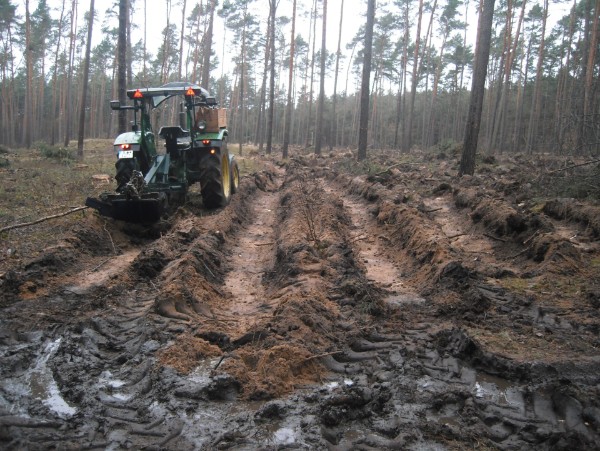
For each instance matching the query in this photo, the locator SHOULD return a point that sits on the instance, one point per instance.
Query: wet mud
(319, 310)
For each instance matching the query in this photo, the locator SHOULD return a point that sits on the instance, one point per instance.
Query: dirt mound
(273, 372)
(185, 353)
(587, 215)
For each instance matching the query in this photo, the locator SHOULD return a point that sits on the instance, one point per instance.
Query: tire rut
(252, 258)
(372, 246)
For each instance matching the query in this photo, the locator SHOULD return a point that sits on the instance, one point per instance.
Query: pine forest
(542, 90)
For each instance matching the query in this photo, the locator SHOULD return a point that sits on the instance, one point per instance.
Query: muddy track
(316, 311)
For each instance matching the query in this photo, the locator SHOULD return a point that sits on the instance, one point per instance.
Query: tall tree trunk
(493, 123)
(401, 103)
(68, 90)
(164, 69)
(309, 141)
(144, 51)
(122, 63)
(500, 129)
(518, 129)
(54, 115)
(208, 46)
(181, 35)
(288, 107)
(195, 34)
(588, 111)
(363, 126)
(482, 55)
(434, 90)
(338, 54)
(129, 56)
(532, 141)
(259, 137)
(321, 104)
(562, 101)
(271, 112)
(8, 121)
(84, 88)
(27, 117)
(415, 79)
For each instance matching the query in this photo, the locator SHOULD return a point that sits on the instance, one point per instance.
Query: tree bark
(86, 74)
(122, 64)
(482, 54)
(338, 54)
(27, 117)
(321, 104)
(181, 35)
(208, 46)
(363, 127)
(309, 141)
(589, 77)
(69, 80)
(288, 107)
(415, 79)
(532, 141)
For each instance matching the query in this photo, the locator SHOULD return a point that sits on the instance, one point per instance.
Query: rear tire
(215, 183)
(235, 176)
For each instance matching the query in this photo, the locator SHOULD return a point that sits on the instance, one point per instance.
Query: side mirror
(115, 105)
(211, 101)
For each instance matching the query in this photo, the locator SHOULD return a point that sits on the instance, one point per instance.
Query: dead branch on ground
(45, 218)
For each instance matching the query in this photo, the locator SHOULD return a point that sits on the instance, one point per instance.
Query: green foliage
(54, 152)
(448, 147)
(366, 167)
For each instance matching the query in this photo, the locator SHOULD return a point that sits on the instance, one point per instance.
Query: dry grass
(34, 186)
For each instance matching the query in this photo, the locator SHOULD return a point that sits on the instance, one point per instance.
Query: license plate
(125, 153)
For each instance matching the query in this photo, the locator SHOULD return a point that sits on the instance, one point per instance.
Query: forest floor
(332, 305)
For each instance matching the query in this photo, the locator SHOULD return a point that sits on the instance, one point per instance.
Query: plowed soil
(324, 308)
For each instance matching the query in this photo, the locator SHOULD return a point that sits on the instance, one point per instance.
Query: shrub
(54, 152)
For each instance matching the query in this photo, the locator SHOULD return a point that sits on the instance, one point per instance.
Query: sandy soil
(407, 309)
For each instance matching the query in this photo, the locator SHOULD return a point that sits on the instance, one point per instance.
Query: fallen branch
(37, 221)
(573, 166)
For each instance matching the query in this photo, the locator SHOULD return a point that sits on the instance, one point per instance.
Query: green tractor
(150, 182)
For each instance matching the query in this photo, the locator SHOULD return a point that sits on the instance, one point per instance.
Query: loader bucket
(146, 210)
